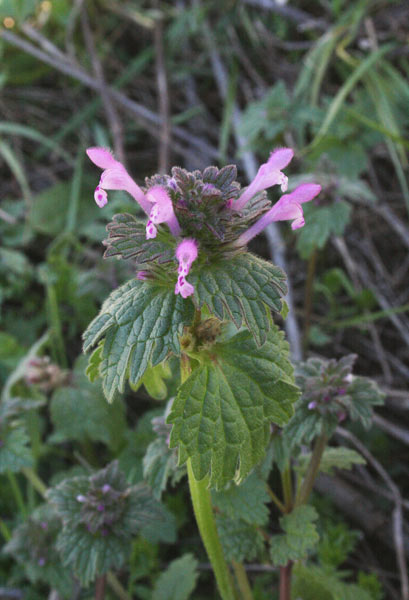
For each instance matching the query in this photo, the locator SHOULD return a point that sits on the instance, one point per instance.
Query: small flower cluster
(44, 374)
(201, 209)
(326, 384)
(102, 505)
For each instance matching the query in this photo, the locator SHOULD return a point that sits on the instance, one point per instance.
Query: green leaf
(333, 458)
(364, 394)
(14, 450)
(159, 464)
(241, 288)
(90, 556)
(316, 583)
(221, 416)
(127, 238)
(320, 223)
(246, 501)
(178, 581)
(141, 323)
(300, 536)
(81, 412)
(240, 541)
(93, 541)
(33, 546)
(49, 209)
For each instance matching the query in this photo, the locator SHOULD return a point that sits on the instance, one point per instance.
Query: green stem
(35, 481)
(275, 499)
(202, 507)
(55, 325)
(5, 532)
(116, 587)
(17, 493)
(312, 471)
(242, 581)
(287, 488)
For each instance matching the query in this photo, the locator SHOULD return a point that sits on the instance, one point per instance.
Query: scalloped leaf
(241, 288)
(178, 581)
(240, 541)
(140, 322)
(14, 451)
(221, 416)
(300, 536)
(127, 238)
(246, 501)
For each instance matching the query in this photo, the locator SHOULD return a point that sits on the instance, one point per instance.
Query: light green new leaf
(141, 323)
(241, 289)
(300, 536)
(178, 581)
(222, 414)
(333, 458)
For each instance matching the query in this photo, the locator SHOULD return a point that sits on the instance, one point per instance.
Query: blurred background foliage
(196, 83)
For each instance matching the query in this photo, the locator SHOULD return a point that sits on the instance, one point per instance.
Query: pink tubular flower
(186, 253)
(114, 177)
(161, 212)
(287, 208)
(269, 174)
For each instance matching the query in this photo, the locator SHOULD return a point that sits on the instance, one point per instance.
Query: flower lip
(161, 212)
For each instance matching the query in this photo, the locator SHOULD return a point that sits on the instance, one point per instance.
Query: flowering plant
(199, 295)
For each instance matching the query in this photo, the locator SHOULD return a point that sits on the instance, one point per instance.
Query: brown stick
(114, 122)
(162, 83)
(285, 581)
(149, 120)
(397, 513)
(100, 588)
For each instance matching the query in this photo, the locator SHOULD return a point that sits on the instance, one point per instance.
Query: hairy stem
(285, 581)
(4, 530)
(287, 488)
(275, 499)
(242, 581)
(312, 471)
(202, 507)
(35, 481)
(17, 493)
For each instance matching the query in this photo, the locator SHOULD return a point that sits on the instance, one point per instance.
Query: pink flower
(161, 212)
(269, 174)
(114, 177)
(186, 253)
(287, 208)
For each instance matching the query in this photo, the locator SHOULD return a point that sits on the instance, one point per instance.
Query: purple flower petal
(269, 174)
(114, 177)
